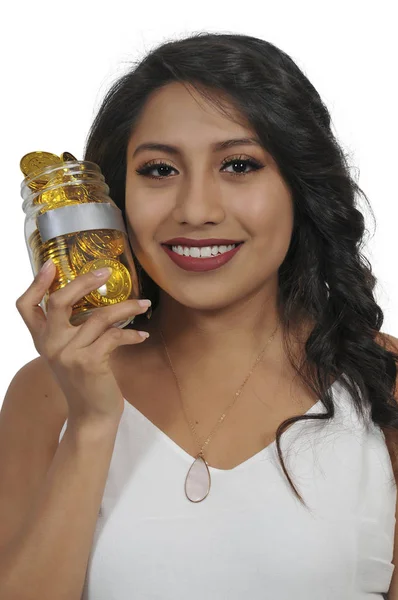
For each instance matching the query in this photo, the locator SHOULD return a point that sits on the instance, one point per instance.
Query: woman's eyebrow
(215, 147)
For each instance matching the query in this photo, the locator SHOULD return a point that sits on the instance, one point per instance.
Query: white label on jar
(79, 217)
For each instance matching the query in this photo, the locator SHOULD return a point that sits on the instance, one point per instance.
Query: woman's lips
(190, 263)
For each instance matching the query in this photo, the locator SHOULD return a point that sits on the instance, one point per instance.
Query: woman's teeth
(204, 252)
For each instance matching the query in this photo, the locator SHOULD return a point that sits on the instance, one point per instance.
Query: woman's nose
(199, 202)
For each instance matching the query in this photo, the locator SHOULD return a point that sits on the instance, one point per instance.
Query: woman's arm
(48, 559)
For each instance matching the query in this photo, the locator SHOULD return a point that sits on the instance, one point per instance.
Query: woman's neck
(216, 346)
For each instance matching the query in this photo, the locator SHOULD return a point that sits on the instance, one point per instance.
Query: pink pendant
(197, 482)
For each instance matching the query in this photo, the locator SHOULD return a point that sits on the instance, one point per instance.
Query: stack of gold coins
(54, 184)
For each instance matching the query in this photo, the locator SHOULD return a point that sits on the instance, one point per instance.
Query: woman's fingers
(28, 303)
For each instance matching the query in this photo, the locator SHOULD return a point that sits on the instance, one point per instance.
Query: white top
(250, 538)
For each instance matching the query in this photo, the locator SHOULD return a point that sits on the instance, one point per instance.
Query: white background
(59, 59)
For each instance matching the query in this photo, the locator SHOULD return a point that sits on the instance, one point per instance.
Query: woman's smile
(191, 258)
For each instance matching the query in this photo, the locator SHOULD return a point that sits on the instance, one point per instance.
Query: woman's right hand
(79, 355)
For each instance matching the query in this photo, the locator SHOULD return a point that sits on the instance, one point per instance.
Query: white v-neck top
(250, 539)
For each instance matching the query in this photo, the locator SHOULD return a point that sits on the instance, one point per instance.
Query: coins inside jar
(101, 244)
(116, 288)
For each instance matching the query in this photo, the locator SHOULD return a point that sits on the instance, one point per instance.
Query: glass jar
(71, 219)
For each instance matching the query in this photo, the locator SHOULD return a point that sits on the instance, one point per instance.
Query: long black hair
(324, 276)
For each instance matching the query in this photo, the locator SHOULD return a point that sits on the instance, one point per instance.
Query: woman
(238, 451)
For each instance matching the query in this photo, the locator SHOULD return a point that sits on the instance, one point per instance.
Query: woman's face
(198, 195)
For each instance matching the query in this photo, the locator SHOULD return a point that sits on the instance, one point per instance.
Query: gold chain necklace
(198, 481)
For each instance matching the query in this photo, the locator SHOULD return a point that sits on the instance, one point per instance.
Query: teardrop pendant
(198, 482)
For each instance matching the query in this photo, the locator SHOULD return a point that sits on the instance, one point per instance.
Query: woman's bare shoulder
(34, 389)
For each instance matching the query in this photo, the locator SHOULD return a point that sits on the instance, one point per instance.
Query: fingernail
(144, 302)
(143, 334)
(101, 272)
(46, 266)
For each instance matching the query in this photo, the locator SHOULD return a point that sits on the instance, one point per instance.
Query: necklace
(198, 480)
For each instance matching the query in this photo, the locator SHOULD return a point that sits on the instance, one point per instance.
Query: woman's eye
(160, 167)
(241, 164)
(236, 163)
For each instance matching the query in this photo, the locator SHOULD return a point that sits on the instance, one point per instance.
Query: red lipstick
(190, 263)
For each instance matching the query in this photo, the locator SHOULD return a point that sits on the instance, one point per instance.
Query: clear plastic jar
(71, 219)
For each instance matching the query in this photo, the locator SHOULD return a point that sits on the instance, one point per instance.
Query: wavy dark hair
(324, 276)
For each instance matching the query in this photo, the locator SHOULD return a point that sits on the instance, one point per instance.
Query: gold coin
(56, 196)
(31, 164)
(54, 205)
(115, 289)
(78, 257)
(65, 270)
(60, 196)
(35, 186)
(77, 193)
(67, 156)
(101, 243)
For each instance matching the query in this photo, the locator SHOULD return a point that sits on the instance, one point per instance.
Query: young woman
(239, 451)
